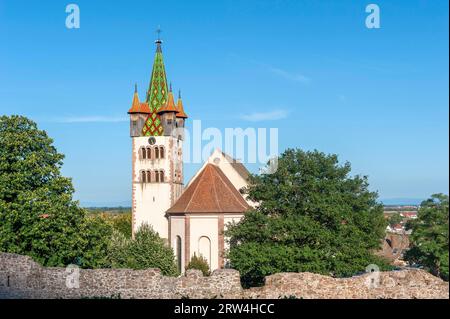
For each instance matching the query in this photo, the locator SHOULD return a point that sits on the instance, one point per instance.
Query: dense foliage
(119, 221)
(312, 216)
(96, 236)
(146, 250)
(395, 219)
(37, 214)
(429, 238)
(199, 263)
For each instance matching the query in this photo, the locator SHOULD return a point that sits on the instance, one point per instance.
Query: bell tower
(157, 145)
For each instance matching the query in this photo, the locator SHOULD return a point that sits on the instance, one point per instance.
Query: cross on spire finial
(158, 41)
(158, 31)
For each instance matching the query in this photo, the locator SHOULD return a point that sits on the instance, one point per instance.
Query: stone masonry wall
(21, 277)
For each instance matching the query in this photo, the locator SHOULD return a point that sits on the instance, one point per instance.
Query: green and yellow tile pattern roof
(156, 95)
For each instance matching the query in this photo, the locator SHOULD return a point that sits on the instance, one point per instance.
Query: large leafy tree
(312, 216)
(429, 238)
(38, 216)
(146, 250)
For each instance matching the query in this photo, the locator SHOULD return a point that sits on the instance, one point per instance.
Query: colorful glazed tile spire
(156, 95)
(170, 105)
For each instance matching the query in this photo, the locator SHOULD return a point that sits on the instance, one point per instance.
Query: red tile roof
(141, 108)
(181, 113)
(210, 192)
(138, 107)
(408, 214)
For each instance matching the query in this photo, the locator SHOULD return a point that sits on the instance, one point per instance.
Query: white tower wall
(151, 200)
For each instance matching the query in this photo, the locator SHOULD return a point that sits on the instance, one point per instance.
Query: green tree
(146, 250)
(429, 238)
(97, 234)
(312, 216)
(37, 214)
(200, 263)
(120, 222)
(395, 219)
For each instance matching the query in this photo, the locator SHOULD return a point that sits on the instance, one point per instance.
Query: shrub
(147, 250)
(199, 263)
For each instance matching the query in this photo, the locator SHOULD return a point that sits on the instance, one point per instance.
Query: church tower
(156, 130)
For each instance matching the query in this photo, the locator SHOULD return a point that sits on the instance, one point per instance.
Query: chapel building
(191, 219)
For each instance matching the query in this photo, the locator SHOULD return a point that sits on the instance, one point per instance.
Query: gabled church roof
(210, 192)
(224, 158)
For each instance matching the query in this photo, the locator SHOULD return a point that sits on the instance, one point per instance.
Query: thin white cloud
(265, 116)
(291, 76)
(296, 77)
(91, 119)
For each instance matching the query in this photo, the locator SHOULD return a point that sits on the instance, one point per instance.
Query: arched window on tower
(161, 152)
(149, 153)
(149, 176)
(156, 176)
(143, 177)
(156, 152)
(161, 176)
(143, 153)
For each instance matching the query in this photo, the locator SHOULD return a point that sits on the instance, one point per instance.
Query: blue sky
(376, 97)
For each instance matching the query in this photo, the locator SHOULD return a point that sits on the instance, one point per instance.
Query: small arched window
(143, 153)
(156, 176)
(204, 248)
(149, 153)
(157, 152)
(149, 176)
(143, 177)
(161, 176)
(161, 152)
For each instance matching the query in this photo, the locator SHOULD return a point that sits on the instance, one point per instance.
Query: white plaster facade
(192, 229)
(152, 199)
(201, 226)
(199, 234)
